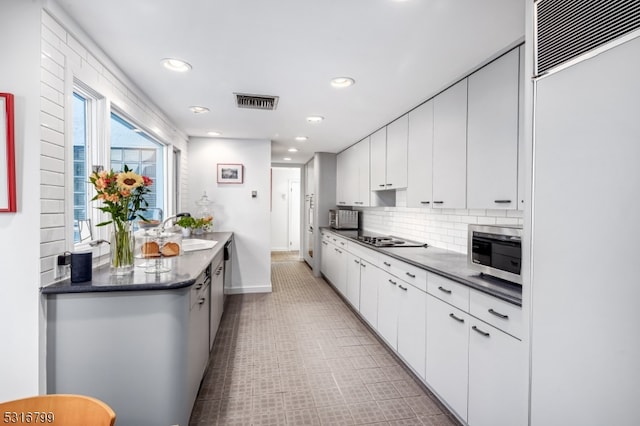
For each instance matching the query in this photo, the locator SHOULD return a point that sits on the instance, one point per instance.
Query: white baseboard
(248, 290)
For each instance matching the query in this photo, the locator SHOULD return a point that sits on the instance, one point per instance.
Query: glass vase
(122, 248)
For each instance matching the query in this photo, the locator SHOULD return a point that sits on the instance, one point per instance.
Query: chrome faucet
(164, 223)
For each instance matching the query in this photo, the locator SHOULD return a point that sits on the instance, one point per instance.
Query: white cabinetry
(388, 308)
(352, 179)
(353, 280)
(378, 167)
(397, 138)
(450, 147)
(492, 139)
(369, 277)
(447, 353)
(334, 261)
(389, 156)
(522, 157)
(412, 323)
(420, 156)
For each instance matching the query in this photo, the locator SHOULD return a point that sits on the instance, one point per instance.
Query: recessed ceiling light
(287, 159)
(214, 133)
(341, 82)
(315, 119)
(293, 149)
(198, 109)
(301, 138)
(176, 65)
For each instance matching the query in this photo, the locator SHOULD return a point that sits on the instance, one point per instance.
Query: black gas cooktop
(388, 241)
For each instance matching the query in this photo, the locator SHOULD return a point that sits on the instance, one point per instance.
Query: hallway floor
(300, 356)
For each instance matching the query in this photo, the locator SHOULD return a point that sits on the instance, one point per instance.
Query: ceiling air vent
(568, 29)
(244, 100)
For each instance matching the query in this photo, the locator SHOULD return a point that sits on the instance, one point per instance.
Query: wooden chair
(61, 410)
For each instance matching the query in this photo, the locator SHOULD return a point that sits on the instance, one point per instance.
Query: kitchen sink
(193, 244)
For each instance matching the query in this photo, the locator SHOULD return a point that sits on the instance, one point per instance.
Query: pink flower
(147, 181)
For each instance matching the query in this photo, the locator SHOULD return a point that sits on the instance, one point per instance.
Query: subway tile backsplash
(442, 228)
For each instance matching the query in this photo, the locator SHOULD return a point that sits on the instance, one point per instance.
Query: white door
(294, 215)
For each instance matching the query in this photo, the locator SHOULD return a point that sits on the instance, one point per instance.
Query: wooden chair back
(59, 409)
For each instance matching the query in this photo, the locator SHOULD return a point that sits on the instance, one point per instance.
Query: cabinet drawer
(450, 291)
(411, 274)
(338, 241)
(362, 252)
(502, 315)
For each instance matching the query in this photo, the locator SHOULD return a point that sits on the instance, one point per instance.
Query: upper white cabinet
(521, 144)
(450, 147)
(492, 139)
(420, 156)
(389, 156)
(397, 138)
(352, 178)
(378, 163)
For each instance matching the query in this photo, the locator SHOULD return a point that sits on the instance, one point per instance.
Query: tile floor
(300, 356)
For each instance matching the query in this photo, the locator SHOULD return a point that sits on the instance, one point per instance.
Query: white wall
(233, 207)
(280, 198)
(19, 232)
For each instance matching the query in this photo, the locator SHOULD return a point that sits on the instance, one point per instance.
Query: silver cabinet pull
(382, 185)
(498, 314)
(202, 300)
(389, 184)
(444, 290)
(425, 202)
(403, 288)
(386, 263)
(392, 282)
(452, 315)
(410, 275)
(477, 330)
(438, 202)
(356, 261)
(363, 265)
(502, 201)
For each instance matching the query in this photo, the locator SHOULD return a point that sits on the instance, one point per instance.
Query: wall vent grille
(568, 29)
(265, 102)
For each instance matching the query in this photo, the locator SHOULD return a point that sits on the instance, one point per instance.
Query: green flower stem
(122, 245)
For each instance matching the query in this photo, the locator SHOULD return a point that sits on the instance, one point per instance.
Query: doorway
(285, 211)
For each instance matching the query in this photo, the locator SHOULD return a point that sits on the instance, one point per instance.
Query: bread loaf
(170, 249)
(150, 249)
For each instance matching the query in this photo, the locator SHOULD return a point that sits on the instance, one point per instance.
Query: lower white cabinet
(333, 263)
(497, 378)
(353, 280)
(412, 325)
(447, 353)
(369, 277)
(388, 307)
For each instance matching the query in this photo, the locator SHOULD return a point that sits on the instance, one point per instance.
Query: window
(132, 147)
(83, 113)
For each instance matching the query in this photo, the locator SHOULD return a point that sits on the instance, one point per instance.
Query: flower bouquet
(123, 197)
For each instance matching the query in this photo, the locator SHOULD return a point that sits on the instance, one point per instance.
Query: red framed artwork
(7, 155)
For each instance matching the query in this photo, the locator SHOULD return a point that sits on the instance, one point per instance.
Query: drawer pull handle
(444, 290)
(202, 300)
(363, 265)
(498, 314)
(477, 330)
(356, 260)
(410, 275)
(456, 318)
(425, 202)
(199, 286)
(392, 282)
(438, 202)
(381, 185)
(386, 264)
(403, 288)
(502, 201)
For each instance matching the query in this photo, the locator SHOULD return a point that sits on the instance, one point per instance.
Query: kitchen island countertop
(184, 271)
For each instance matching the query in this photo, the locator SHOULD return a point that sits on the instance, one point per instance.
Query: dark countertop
(184, 271)
(447, 263)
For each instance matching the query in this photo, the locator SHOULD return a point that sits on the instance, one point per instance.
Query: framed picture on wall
(7, 155)
(230, 173)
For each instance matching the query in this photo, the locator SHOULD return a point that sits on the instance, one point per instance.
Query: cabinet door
(420, 156)
(325, 259)
(492, 139)
(361, 161)
(353, 280)
(339, 263)
(450, 147)
(397, 140)
(447, 353)
(342, 178)
(388, 308)
(378, 142)
(369, 276)
(498, 377)
(412, 321)
(521, 141)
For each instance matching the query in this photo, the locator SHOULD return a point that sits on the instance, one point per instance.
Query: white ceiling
(399, 53)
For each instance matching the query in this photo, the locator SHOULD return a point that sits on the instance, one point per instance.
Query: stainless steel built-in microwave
(343, 219)
(496, 250)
